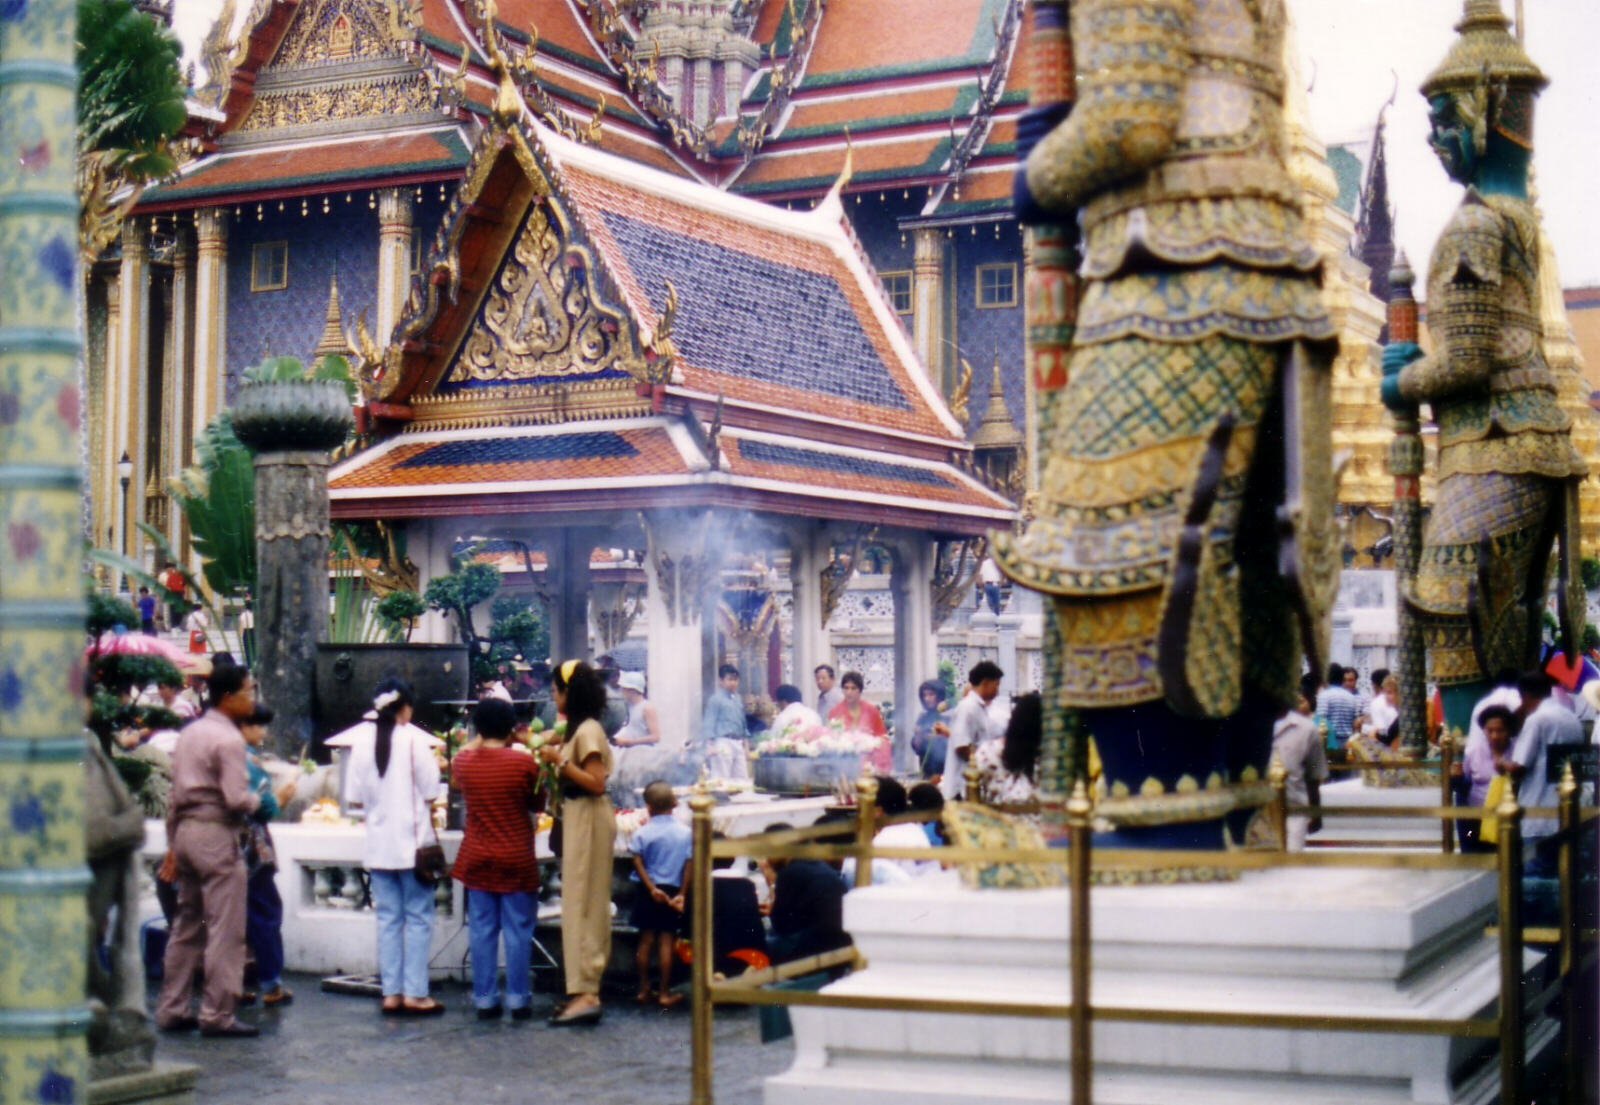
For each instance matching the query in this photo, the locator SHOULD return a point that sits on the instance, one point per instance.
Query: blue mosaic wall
(876, 223)
(981, 332)
(289, 321)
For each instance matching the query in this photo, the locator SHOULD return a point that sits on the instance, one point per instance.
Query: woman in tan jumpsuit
(588, 829)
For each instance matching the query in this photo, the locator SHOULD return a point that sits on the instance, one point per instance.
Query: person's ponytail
(392, 694)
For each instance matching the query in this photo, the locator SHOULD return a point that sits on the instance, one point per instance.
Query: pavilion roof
(775, 314)
(653, 461)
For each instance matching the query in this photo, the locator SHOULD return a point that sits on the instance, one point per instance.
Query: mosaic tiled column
(809, 554)
(177, 379)
(1051, 313)
(394, 258)
(43, 928)
(916, 647)
(1406, 464)
(679, 572)
(102, 431)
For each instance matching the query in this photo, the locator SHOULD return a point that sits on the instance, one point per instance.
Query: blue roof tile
(751, 317)
(505, 450)
(759, 451)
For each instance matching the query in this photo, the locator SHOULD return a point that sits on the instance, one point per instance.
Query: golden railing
(1082, 861)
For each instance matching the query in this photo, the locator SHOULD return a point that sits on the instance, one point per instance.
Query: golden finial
(592, 131)
(701, 801)
(972, 776)
(1078, 805)
(457, 81)
(1277, 774)
(845, 172)
(963, 392)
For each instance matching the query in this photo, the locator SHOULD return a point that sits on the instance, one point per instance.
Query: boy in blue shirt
(661, 850)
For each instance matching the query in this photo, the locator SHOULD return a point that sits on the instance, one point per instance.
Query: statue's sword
(1405, 464)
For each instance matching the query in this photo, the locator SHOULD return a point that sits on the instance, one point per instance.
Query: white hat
(632, 681)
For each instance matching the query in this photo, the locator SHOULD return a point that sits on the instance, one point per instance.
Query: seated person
(892, 802)
(735, 917)
(792, 713)
(807, 910)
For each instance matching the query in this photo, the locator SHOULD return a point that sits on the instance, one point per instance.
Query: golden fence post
(866, 826)
(1511, 1040)
(1567, 873)
(1447, 745)
(1278, 776)
(1078, 834)
(700, 937)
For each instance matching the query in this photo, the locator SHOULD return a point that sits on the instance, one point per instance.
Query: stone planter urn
(290, 426)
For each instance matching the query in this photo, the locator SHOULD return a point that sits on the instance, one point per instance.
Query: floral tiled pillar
(43, 1057)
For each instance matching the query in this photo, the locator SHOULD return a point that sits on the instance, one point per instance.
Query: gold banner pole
(1510, 818)
(1567, 873)
(1079, 829)
(866, 827)
(700, 1007)
(1447, 748)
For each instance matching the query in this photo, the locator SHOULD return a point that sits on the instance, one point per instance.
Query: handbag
(430, 865)
(1489, 827)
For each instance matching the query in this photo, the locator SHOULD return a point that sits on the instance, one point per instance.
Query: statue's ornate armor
(1198, 276)
(1504, 445)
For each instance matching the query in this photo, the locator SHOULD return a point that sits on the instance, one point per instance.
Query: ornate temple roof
(657, 336)
(921, 109)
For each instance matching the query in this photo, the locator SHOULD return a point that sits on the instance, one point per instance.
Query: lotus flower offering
(820, 740)
(807, 759)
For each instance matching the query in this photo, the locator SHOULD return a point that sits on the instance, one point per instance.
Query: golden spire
(996, 430)
(333, 339)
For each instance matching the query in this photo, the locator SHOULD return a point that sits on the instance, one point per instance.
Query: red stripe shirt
(497, 848)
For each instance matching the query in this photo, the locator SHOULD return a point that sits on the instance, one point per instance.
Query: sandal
(668, 1000)
(393, 1007)
(428, 1008)
(643, 996)
(278, 995)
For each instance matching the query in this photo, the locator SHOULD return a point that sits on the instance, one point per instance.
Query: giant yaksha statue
(1185, 521)
(1508, 474)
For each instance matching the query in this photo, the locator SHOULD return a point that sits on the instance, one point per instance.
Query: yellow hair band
(567, 668)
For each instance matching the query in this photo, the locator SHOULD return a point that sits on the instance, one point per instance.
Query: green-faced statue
(1507, 472)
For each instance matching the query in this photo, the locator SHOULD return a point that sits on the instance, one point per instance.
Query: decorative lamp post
(290, 426)
(125, 478)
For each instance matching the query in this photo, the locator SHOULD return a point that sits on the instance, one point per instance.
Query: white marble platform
(1371, 943)
(1376, 830)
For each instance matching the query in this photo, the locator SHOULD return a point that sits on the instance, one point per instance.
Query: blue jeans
(489, 917)
(263, 927)
(405, 931)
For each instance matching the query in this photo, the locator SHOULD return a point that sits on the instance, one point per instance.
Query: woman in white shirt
(392, 775)
(1383, 711)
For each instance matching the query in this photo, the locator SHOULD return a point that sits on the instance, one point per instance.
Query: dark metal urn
(290, 426)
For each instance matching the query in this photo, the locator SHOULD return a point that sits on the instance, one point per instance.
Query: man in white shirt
(1545, 722)
(989, 575)
(792, 713)
(828, 693)
(970, 726)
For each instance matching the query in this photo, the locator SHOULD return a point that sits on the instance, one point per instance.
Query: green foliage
(130, 88)
(218, 498)
(516, 627)
(106, 612)
(947, 676)
(135, 773)
(1589, 570)
(276, 370)
(400, 610)
(1589, 640)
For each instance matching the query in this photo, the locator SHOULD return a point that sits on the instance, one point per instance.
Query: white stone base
(1351, 942)
(1377, 831)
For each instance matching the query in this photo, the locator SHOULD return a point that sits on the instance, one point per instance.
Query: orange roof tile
(854, 36)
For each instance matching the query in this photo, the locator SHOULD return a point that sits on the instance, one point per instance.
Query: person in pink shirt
(860, 716)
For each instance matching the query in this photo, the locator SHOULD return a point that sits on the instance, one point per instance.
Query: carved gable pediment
(543, 319)
(334, 30)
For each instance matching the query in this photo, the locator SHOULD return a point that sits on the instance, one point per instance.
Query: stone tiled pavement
(330, 1048)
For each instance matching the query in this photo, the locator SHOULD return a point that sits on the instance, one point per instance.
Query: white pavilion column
(133, 385)
(210, 319)
(916, 642)
(808, 555)
(433, 539)
(679, 570)
(394, 258)
(927, 295)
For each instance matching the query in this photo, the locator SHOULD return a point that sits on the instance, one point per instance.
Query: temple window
(897, 285)
(269, 266)
(997, 285)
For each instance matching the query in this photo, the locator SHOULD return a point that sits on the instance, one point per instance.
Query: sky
(1353, 51)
